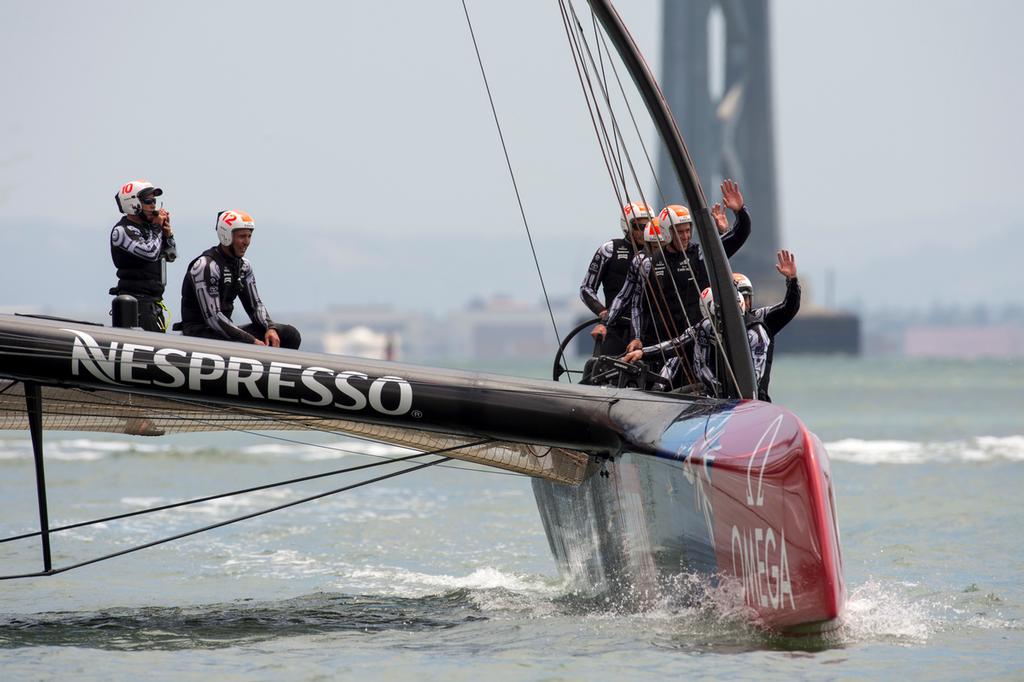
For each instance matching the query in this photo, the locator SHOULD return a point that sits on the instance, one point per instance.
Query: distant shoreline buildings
(512, 330)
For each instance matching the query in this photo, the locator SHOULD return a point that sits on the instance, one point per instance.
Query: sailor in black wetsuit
(218, 276)
(655, 240)
(701, 343)
(676, 274)
(608, 271)
(141, 244)
(764, 323)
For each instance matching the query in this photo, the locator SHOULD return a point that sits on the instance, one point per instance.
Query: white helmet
(229, 221)
(707, 300)
(674, 214)
(128, 197)
(653, 234)
(743, 284)
(634, 210)
(745, 288)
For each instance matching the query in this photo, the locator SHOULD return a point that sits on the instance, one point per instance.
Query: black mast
(735, 333)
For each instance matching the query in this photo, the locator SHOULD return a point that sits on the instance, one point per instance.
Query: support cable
(612, 158)
(508, 162)
(243, 491)
(221, 524)
(647, 288)
(673, 330)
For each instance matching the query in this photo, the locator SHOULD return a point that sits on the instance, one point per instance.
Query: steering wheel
(560, 367)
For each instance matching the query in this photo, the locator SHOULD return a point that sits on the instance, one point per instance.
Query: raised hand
(787, 264)
(731, 195)
(162, 219)
(718, 213)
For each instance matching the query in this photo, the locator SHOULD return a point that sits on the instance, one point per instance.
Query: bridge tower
(717, 78)
(716, 75)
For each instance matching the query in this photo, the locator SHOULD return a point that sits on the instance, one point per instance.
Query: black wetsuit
(674, 284)
(139, 252)
(771, 320)
(700, 343)
(212, 283)
(607, 271)
(662, 292)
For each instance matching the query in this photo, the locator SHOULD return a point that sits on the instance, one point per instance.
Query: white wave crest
(394, 580)
(80, 449)
(90, 450)
(881, 611)
(980, 449)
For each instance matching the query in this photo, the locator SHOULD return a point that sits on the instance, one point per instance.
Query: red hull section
(775, 525)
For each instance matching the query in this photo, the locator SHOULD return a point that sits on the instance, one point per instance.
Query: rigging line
(621, 148)
(577, 59)
(620, 144)
(616, 156)
(615, 71)
(707, 315)
(574, 40)
(620, 139)
(603, 138)
(228, 522)
(718, 338)
(599, 75)
(508, 162)
(604, 84)
(574, 47)
(243, 491)
(577, 41)
(636, 179)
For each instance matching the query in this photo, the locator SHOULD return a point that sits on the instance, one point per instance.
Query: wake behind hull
(741, 496)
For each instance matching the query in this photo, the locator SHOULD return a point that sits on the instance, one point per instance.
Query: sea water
(445, 573)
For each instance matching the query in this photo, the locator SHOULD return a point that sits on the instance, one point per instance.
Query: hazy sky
(359, 136)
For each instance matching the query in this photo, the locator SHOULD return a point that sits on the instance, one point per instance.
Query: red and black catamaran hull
(735, 490)
(739, 491)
